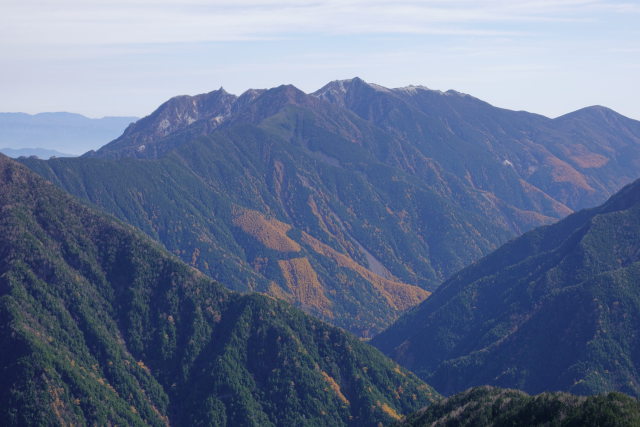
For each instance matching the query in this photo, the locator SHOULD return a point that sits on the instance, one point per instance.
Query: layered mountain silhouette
(574, 159)
(99, 325)
(61, 132)
(556, 309)
(354, 201)
(40, 153)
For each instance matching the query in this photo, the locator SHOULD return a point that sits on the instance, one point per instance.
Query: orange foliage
(590, 160)
(303, 282)
(560, 208)
(398, 295)
(268, 231)
(582, 157)
(563, 172)
(277, 292)
(389, 411)
(335, 387)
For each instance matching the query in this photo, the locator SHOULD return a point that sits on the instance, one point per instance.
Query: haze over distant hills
(67, 133)
(556, 309)
(352, 201)
(41, 153)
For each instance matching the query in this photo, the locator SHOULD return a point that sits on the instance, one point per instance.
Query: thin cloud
(163, 21)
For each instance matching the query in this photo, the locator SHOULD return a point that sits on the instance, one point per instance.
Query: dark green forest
(100, 325)
(556, 309)
(409, 185)
(493, 407)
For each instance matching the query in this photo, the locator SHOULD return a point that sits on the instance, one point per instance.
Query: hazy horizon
(139, 116)
(121, 58)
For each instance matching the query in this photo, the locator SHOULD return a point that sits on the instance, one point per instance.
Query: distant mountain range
(101, 326)
(556, 309)
(40, 153)
(62, 132)
(353, 201)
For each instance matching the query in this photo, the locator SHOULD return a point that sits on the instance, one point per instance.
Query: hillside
(556, 309)
(526, 160)
(487, 406)
(350, 202)
(100, 325)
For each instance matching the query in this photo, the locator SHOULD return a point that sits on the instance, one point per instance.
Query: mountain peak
(334, 92)
(266, 102)
(140, 138)
(289, 91)
(413, 89)
(337, 91)
(591, 112)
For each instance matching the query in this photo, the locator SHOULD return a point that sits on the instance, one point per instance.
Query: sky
(125, 57)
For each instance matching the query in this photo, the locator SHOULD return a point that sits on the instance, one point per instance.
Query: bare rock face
(140, 138)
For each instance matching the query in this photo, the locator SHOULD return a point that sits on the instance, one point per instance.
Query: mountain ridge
(489, 406)
(100, 325)
(414, 184)
(551, 310)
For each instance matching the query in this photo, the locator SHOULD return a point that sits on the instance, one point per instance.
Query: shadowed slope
(99, 325)
(408, 184)
(556, 309)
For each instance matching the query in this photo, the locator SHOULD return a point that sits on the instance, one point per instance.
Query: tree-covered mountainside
(529, 161)
(556, 309)
(99, 325)
(352, 201)
(493, 407)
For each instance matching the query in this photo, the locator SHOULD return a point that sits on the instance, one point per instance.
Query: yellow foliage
(335, 387)
(563, 172)
(583, 157)
(268, 231)
(557, 206)
(303, 282)
(389, 411)
(398, 295)
(278, 292)
(316, 212)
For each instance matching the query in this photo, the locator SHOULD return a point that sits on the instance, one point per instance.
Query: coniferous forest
(356, 256)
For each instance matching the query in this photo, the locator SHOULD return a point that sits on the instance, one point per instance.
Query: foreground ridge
(489, 406)
(100, 325)
(556, 309)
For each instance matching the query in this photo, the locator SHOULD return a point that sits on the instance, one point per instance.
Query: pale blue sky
(116, 57)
